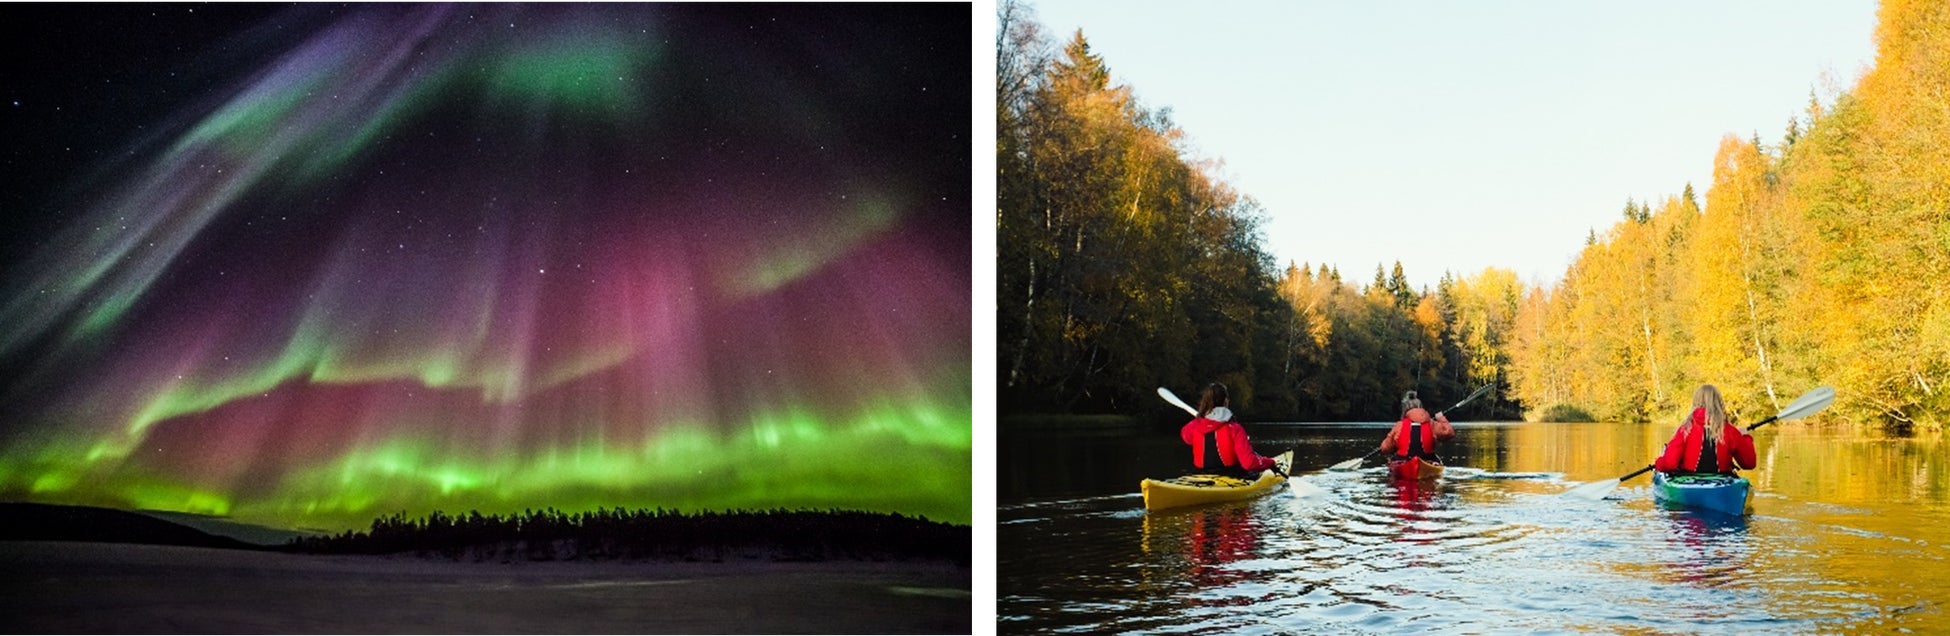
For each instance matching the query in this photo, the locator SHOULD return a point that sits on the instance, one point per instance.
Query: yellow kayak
(1192, 490)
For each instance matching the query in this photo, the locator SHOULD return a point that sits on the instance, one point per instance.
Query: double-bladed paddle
(1808, 404)
(1356, 462)
(1173, 399)
(1304, 489)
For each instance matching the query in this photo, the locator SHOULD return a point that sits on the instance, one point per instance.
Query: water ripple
(1484, 552)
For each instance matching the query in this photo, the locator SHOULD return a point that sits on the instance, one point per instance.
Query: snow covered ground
(63, 587)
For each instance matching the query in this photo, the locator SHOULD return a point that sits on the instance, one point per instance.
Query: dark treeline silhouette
(50, 522)
(616, 533)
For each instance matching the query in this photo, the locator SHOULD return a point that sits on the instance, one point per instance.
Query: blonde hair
(1707, 397)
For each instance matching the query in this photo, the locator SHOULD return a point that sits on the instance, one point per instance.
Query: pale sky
(1455, 136)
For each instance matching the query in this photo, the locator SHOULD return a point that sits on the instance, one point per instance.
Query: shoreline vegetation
(615, 534)
(643, 534)
(1815, 258)
(1069, 421)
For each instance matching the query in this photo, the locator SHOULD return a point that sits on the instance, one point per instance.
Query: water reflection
(1203, 542)
(1849, 535)
(1709, 549)
(1414, 495)
(1413, 499)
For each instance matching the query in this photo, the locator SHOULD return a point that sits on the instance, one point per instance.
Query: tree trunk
(1651, 362)
(1028, 325)
(1645, 325)
(1766, 370)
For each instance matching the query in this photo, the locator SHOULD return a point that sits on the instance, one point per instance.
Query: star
(329, 371)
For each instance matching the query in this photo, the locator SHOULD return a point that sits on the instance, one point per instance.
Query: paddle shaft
(1648, 467)
(1472, 396)
(1173, 399)
(1808, 404)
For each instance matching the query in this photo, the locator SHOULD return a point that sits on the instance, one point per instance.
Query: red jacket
(1234, 448)
(1402, 441)
(1434, 431)
(1735, 450)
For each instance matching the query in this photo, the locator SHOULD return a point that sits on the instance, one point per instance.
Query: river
(1850, 533)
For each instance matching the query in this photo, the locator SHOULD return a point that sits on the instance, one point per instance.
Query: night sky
(309, 265)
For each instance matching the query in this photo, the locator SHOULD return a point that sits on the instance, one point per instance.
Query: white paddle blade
(1173, 399)
(1347, 465)
(1593, 491)
(1304, 488)
(1808, 404)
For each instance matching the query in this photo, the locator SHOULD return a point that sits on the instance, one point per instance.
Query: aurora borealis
(334, 262)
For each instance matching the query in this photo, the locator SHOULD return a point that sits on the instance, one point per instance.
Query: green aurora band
(506, 257)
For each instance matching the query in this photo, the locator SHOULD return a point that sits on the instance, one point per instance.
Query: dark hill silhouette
(226, 527)
(48, 522)
(783, 535)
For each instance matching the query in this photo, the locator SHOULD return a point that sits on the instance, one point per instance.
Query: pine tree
(1085, 67)
(1398, 285)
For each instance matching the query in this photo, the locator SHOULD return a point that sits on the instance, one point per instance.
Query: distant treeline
(1123, 266)
(550, 534)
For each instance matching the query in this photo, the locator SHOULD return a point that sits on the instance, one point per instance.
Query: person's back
(1416, 434)
(1706, 442)
(1219, 444)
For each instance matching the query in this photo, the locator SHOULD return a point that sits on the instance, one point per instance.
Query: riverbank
(1064, 422)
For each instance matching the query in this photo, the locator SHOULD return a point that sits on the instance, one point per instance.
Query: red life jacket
(1686, 451)
(1218, 434)
(1692, 458)
(1409, 444)
(1212, 441)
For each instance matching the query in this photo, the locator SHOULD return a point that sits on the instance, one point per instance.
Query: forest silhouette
(654, 534)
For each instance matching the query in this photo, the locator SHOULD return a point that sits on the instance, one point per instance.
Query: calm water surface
(1850, 533)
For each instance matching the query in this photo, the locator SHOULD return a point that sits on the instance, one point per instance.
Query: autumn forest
(1814, 257)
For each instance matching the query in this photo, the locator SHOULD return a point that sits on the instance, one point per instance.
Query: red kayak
(1414, 469)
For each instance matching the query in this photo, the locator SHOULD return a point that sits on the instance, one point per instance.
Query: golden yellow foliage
(1820, 262)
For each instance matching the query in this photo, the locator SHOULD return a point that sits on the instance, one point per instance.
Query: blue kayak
(1726, 494)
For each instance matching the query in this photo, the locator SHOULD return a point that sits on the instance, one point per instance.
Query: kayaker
(1706, 442)
(1219, 445)
(1416, 435)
